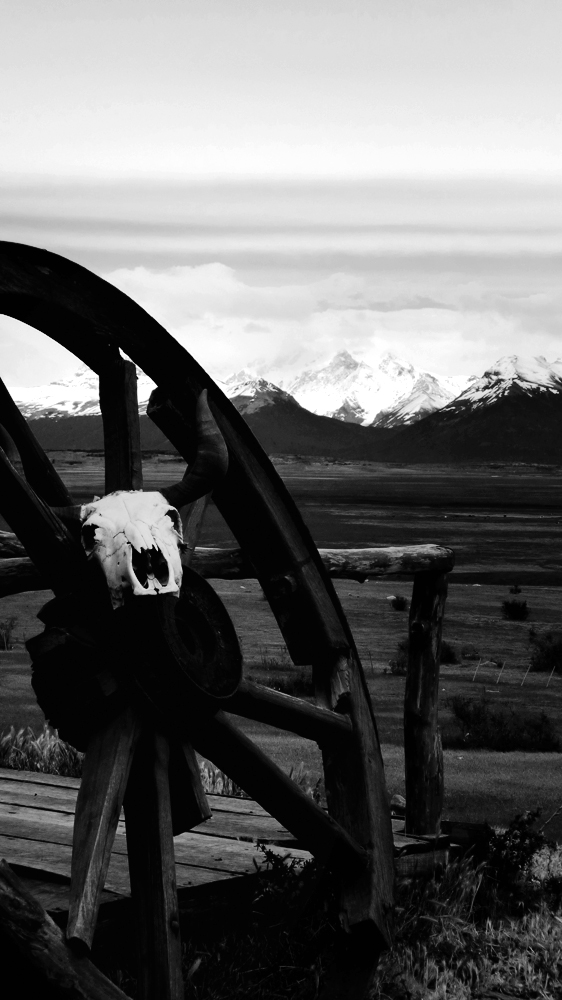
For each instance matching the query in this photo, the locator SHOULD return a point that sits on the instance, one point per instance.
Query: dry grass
(22, 750)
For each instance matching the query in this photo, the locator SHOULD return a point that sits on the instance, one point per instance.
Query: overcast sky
(277, 180)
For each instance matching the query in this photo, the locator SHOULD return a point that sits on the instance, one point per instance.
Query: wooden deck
(36, 823)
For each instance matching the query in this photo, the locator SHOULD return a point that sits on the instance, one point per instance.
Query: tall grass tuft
(24, 751)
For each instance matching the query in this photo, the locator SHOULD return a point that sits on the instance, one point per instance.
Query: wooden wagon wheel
(95, 321)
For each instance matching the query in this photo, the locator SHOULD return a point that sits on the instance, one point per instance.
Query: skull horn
(211, 460)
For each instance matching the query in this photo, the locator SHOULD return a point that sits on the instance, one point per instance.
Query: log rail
(17, 572)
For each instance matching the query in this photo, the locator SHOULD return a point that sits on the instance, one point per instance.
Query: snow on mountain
(394, 392)
(249, 393)
(511, 374)
(75, 396)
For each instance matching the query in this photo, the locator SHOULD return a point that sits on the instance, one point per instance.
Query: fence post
(422, 739)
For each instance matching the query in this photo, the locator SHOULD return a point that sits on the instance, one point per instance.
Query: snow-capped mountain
(395, 392)
(511, 375)
(250, 393)
(77, 396)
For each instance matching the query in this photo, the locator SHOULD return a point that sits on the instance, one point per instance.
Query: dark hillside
(86, 434)
(516, 428)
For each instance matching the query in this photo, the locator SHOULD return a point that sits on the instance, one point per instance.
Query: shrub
(399, 603)
(516, 589)
(481, 726)
(448, 653)
(547, 651)
(516, 611)
(470, 652)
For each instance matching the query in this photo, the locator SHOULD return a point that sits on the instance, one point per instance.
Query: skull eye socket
(174, 518)
(89, 538)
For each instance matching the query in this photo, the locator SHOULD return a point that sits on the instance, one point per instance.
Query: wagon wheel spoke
(105, 774)
(94, 320)
(39, 471)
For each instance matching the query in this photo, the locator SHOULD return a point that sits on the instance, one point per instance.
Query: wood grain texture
(152, 871)
(422, 739)
(255, 701)
(121, 427)
(105, 772)
(40, 946)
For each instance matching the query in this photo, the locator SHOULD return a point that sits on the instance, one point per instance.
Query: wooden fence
(429, 566)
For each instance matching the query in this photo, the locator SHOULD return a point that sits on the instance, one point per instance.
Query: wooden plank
(121, 426)
(192, 517)
(39, 778)
(55, 858)
(254, 701)
(152, 870)
(192, 848)
(41, 949)
(98, 806)
(423, 753)
(38, 469)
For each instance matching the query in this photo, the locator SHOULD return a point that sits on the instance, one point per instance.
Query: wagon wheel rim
(94, 320)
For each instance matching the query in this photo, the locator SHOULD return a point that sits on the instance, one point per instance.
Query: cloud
(442, 323)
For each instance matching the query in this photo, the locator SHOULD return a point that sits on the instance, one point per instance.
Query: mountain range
(350, 410)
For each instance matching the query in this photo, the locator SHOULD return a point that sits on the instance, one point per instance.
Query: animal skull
(136, 538)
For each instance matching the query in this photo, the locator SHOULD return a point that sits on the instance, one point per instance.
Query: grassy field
(479, 784)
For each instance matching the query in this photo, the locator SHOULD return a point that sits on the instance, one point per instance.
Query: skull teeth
(150, 565)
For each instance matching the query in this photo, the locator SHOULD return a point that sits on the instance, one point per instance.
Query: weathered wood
(38, 469)
(152, 870)
(218, 739)
(91, 317)
(254, 701)
(105, 773)
(121, 426)
(422, 739)
(189, 803)
(354, 778)
(58, 558)
(41, 946)
(344, 564)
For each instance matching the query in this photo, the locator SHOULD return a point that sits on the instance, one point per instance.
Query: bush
(481, 726)
(516, 589)
(399, 603)
(547, 651)
(448, 653)
(516, 611)
(470, 652)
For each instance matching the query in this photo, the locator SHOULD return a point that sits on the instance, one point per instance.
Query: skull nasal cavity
(148, 565)
(89, 537)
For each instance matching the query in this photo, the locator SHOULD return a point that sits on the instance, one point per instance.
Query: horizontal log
(254, 701)
(18, 573)
(354, 564)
